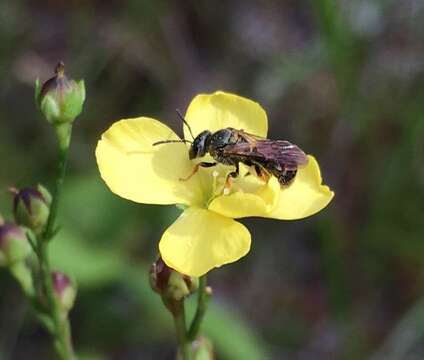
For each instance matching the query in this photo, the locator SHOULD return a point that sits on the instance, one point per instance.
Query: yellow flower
(205, 235)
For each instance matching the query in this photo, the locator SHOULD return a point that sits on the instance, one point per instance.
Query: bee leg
(251, 170)
(230, 177)
(256, 170)
(259, 172)
(262, 174)
(196, 168)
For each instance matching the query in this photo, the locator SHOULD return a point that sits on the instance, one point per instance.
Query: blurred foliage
(343, 79)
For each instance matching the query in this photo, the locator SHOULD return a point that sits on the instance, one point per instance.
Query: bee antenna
(185, 122)
(171, 141)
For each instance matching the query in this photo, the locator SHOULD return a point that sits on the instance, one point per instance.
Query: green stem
(181, 331)
(64, 141)
(60, 330)
(202, 305)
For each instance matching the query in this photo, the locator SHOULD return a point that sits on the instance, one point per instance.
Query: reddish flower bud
(31, 207)
(64, 290)
(169, 283)
(60, 99)
(14, 245)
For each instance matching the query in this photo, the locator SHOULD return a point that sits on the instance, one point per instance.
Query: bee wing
(282, 152)
(250, 138)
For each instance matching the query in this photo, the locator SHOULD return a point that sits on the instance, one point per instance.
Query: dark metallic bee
(230, 146)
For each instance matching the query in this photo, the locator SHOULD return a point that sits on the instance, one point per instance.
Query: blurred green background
(344, 80)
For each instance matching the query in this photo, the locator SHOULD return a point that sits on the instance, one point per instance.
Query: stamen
(215, 175)
(218, 185)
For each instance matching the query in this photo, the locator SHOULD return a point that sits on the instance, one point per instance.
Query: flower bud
(31, 207)
(64, 290)
(60, 99)
(170, 284)
(14, 245)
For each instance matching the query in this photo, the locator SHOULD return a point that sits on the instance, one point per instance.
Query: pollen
(226, 191)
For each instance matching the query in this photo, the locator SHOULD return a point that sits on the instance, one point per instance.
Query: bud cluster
(51, 293)
(31, 207)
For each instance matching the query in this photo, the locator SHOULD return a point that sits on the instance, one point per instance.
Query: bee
(231, 146)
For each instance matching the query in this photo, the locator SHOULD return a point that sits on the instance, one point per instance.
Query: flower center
(218, 187)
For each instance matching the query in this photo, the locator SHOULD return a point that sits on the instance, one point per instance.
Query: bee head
(200, 145)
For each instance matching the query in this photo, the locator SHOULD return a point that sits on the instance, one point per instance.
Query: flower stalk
(64, 142)
(174, 288)
(181, 331)
(203, 297)
(37, 211)
(60, 330)
(187, 336)
(60, 100)
(51, 293)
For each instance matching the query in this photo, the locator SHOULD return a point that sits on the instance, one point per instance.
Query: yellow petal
(260, 199)
(220, 110)
(305, 196)
(200, 240)
(136, 170)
